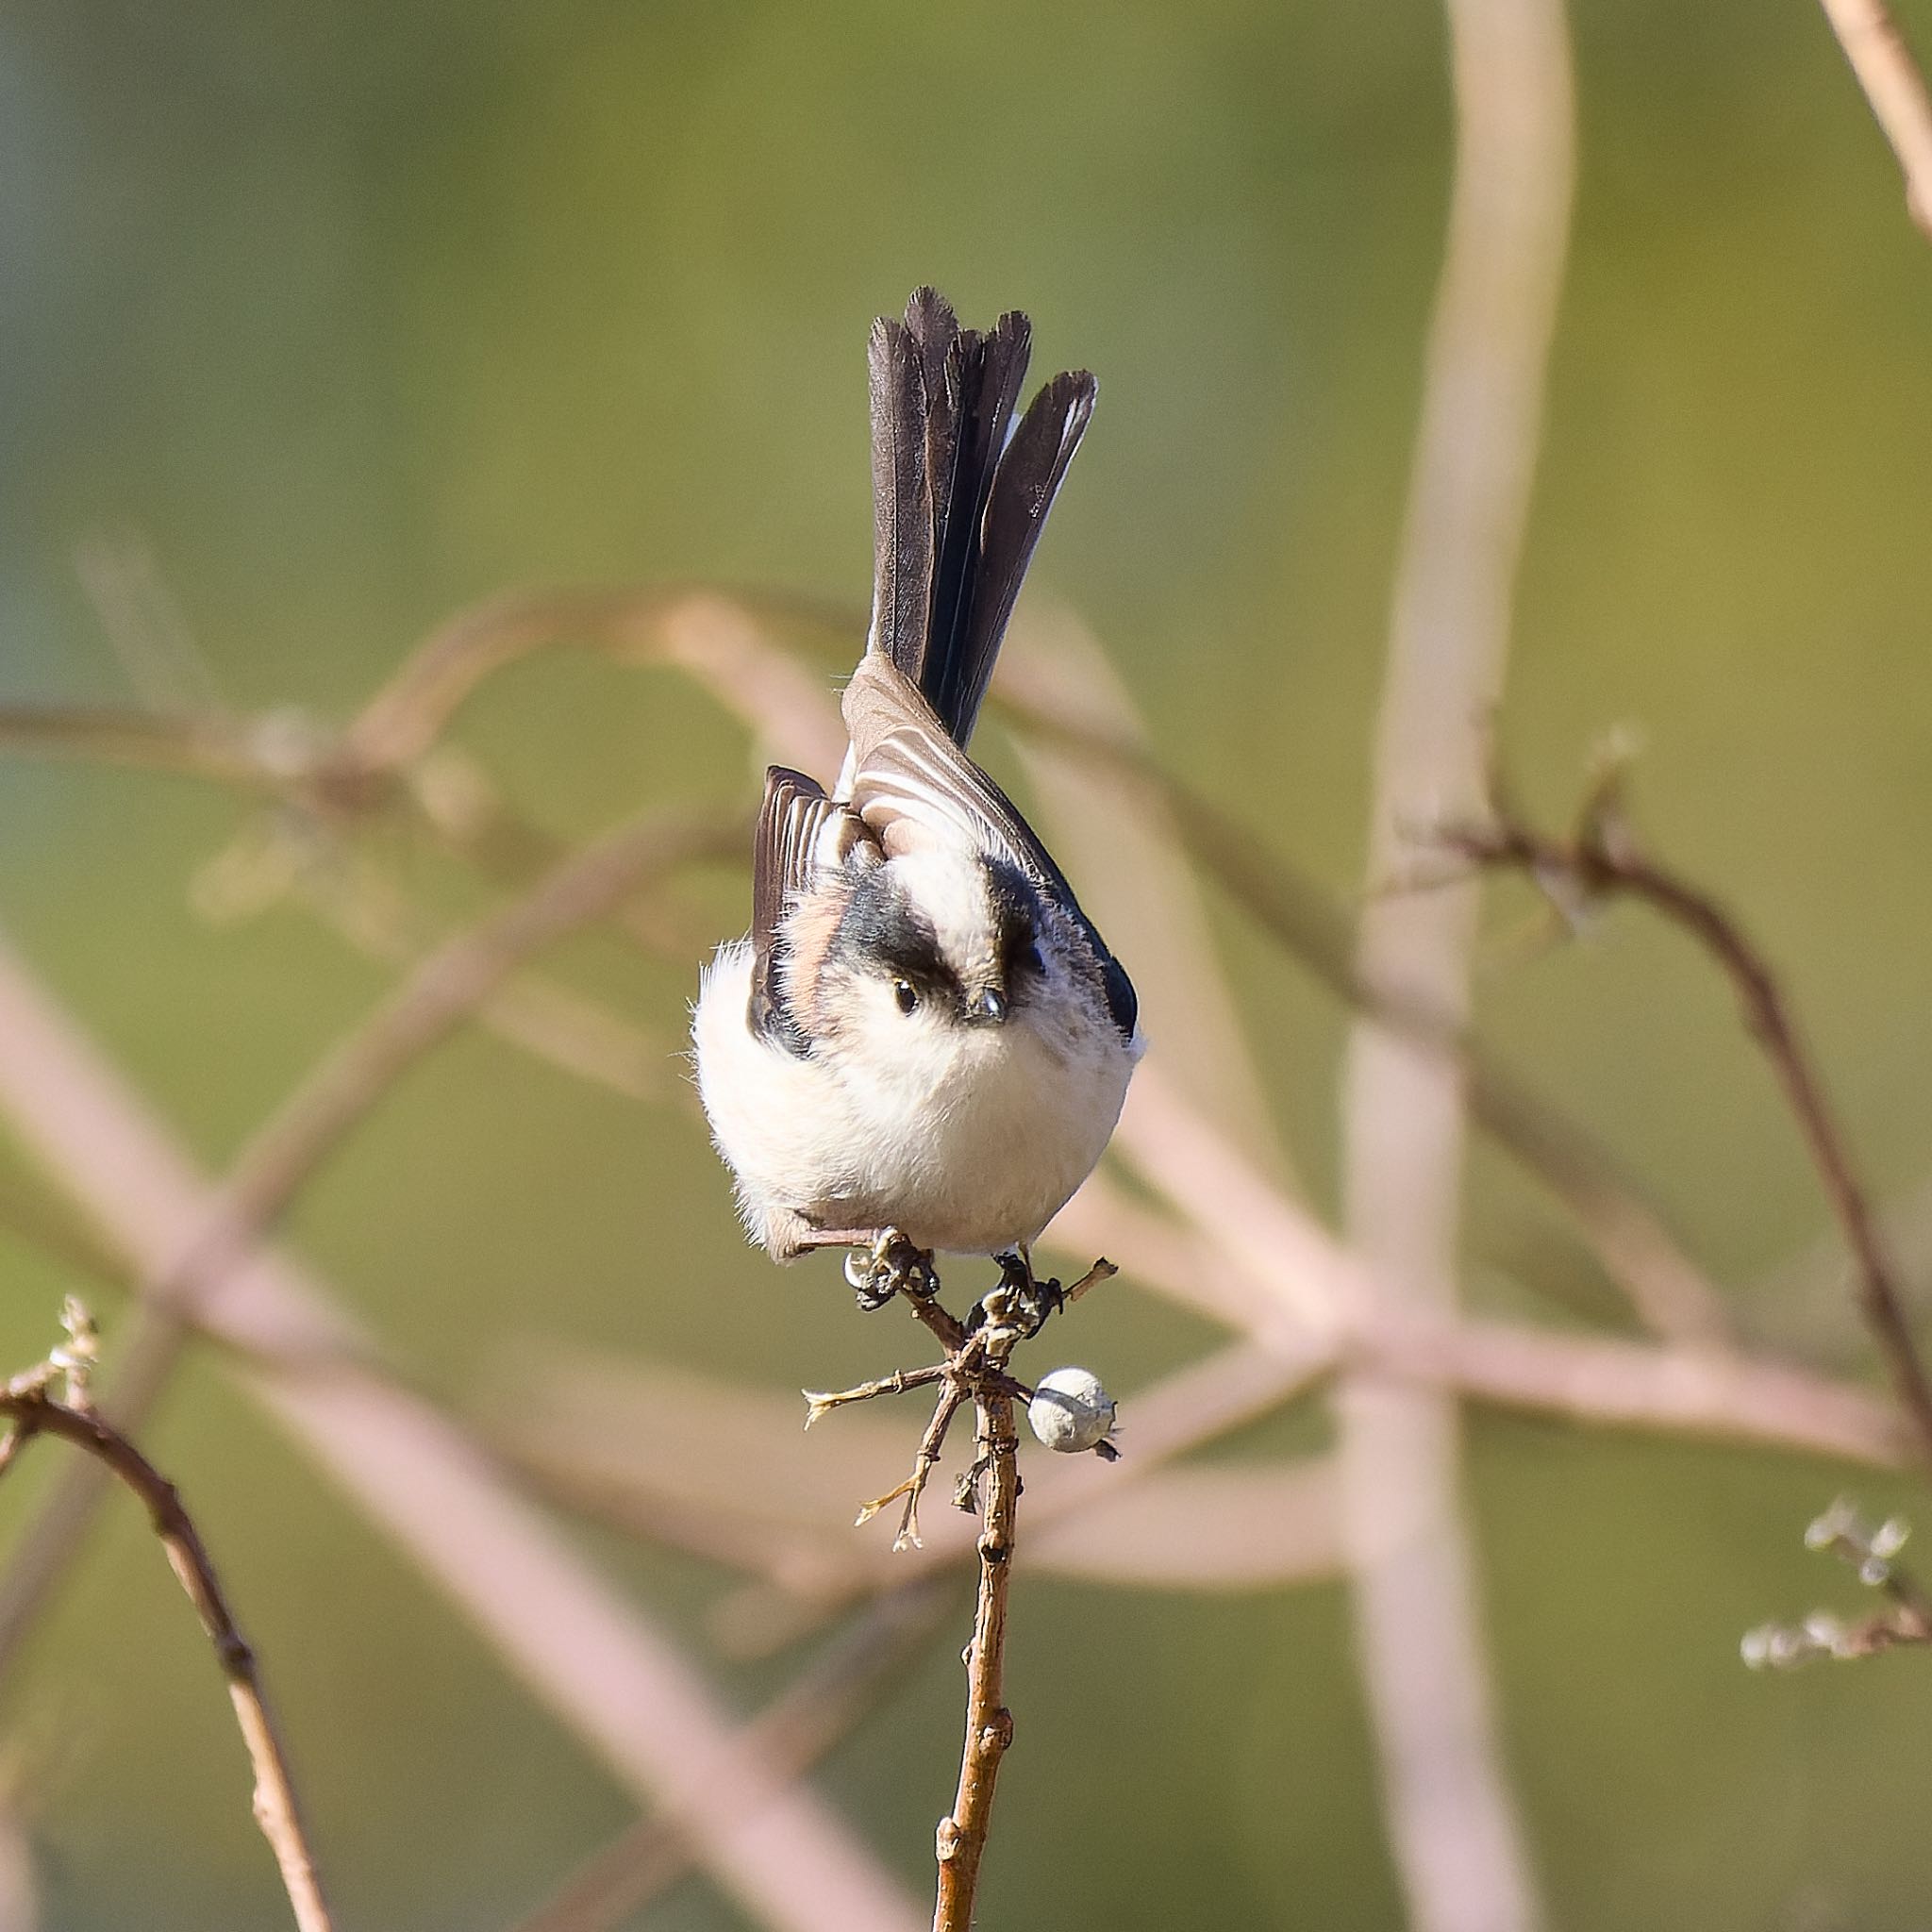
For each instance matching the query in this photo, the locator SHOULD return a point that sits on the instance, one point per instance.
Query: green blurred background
(353, 315)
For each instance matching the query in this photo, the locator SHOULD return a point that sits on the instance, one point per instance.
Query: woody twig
(975, 1370)
(32, 1407)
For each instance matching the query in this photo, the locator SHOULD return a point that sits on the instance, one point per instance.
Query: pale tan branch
(1455, 1830)
(202, 747)
(410, 711)
(1895, 89)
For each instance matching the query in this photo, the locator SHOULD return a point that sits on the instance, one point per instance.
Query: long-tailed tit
(922, 1035)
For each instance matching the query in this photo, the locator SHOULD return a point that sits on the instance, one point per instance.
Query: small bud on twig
(1869, 1550)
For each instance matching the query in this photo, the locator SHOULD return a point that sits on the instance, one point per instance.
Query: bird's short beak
(987, 1007)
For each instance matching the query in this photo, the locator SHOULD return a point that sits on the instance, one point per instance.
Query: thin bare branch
(1896, 90)
(1602, 860)
(615, 1438)
(974, 1369)
(1800, 1304)
(1870, 1552)
(32, 1411)
(208, 747)
(410, 711)
(961, 1839)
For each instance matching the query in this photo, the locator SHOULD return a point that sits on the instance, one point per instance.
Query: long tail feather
(902, 499)
(1024, 487)
(958, 504)
(986, 373)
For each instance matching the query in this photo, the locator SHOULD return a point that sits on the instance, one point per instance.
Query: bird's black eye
(908, 996)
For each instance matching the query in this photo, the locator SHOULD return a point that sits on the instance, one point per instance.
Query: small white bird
(924, 1037)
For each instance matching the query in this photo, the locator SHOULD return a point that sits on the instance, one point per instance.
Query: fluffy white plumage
(968, 1139)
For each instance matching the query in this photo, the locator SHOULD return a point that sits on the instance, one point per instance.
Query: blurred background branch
(1452, 1820)
(1896, 90)
(1602, 861)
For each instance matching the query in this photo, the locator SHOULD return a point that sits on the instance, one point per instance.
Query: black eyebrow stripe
(880, 924)
(1015, 905)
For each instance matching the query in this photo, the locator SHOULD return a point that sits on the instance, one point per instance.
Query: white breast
(974, 1142)
(969, 1140)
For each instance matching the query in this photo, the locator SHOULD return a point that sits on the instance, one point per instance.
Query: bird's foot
(890, 1266)
(1020, 1305)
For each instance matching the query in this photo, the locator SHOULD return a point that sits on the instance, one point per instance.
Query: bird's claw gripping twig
(890, 1266)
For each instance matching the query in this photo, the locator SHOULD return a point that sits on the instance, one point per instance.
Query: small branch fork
(30, 1408)
(975, 1371)
(1600, 859)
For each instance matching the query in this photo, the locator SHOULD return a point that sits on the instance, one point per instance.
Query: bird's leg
(884, 1263)
(1023, 1301)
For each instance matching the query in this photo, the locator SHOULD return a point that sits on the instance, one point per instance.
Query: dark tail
(958, 503)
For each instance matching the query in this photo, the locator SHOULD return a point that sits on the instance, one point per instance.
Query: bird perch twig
(962, 1833)
(974, 1370)
(31, 1408)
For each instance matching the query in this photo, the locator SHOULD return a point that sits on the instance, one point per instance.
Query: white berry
(1071, 1412)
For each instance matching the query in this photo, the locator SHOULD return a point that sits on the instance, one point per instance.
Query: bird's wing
(787, 848)
(913, 787)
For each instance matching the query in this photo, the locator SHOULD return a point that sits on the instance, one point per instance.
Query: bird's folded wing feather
(787, 848)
